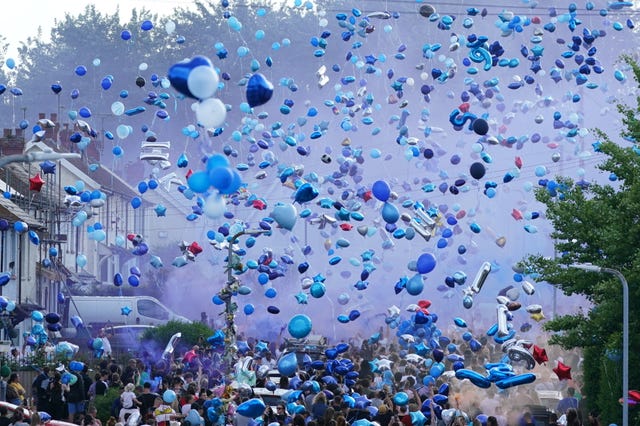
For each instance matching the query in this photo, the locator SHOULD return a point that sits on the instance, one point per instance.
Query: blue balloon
(252, 408)
(299, 326)
(248, 309)
(474, 377)
(426, 263)
(133, 281)
(288, 364)
(259, 90)
(381, 190)
(169, 396)
(199, 182)
(401, 398)
(390, 213)
(136, 202)
(220, 178)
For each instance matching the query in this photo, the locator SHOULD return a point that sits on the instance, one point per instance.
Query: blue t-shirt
(566, 403)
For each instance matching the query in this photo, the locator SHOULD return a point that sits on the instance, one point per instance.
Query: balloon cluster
(219, 175)
(38, 335)
(197, 78)
(189, 253)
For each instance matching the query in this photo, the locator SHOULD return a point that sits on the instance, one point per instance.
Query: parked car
(95, 312)
(12, 407)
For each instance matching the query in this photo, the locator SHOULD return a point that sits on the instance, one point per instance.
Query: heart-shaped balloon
(179, 73)
(259, 90)
(285, 215)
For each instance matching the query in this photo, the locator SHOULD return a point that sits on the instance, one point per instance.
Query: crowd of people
(184, 390)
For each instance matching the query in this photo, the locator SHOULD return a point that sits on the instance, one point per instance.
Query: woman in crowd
(15, 391)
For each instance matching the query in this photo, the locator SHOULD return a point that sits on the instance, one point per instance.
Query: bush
(103, 403)
(194, 333)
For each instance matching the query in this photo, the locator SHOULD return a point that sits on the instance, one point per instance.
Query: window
(151, 309)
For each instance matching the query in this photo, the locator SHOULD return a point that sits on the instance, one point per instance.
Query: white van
(99, 311)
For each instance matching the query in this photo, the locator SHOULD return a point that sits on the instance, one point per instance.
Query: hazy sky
(31, 14)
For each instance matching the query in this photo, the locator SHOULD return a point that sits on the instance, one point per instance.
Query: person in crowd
(102, 383)
(131, 373)
(4, 420)
(384, 415)
(128, 402)
(40, 389)
(147, 399)
(281, 414)
(36, 420)
(572, 417)
(569, 401)
(319, 406)
(57, 408)
(15, 390)
(18, 418)
(163, 413)
(594, 418)
(74, 395)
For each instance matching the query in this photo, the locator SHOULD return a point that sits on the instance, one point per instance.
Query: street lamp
(625, 331)
(230, 346)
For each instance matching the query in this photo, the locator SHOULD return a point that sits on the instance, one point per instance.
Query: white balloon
(211, 112)
(203, 82)
(170, 27)
(117, 108)
(122, 131)
(214, 207)
(143, 66)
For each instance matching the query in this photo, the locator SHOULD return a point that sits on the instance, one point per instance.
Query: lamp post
(625, 331)
(230, 307)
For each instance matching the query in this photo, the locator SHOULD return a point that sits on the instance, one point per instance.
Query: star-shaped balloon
(393, 311)
(125, 310)
(261, 347)
(160, 210)
(540, 354)
(194, 248)
(302, 298)
(179, 261)
(562, 371)
(384, 364)
(319, 278)
(156, 262)
(36, 182)
(48, 167)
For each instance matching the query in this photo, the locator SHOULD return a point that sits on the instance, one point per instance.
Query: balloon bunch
(140, 247)
(189, 252)
(66, 350)
(218, 174)
(197, 78)
(38, 336)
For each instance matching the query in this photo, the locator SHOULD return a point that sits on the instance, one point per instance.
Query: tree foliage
(598, 223)
(192, 334)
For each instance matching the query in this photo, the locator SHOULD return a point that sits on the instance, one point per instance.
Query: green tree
(599, 223)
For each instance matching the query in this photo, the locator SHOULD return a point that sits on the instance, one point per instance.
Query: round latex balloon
(288, 364)
(426, 263)
(203, 81)
(477, 170)
(299, 326)
(381, 190)
(211, 112)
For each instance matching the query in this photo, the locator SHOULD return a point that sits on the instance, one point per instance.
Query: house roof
(13, 213)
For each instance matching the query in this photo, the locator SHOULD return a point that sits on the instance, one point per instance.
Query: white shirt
(106, 346)
(127, 399)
